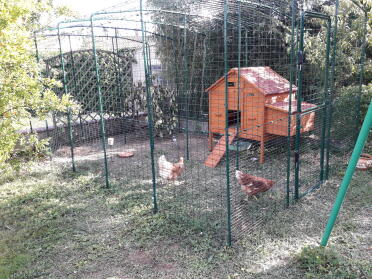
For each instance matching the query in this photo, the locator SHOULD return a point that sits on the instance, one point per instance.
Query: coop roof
(284, 106)
(264, 79)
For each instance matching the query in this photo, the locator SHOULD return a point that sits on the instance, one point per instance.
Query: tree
(347, 96)
(23, 90)
(191, 48)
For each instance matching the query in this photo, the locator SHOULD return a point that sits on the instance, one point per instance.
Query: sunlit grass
(50, 215)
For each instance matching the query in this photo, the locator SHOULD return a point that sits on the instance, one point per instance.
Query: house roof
(264, 79)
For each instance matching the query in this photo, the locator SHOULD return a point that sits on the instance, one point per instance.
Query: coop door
(312, 102)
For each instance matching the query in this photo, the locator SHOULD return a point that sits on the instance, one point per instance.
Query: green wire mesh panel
(313, 79)
(124, 103)
(192, 63)
(57, 125)
(259, 95)
(218, 111)
(351, 93)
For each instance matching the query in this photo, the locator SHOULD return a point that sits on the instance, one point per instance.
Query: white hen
(168, 170)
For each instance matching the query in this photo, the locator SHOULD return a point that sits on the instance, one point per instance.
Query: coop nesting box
(260, 110)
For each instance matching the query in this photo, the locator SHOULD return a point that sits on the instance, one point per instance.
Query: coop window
(234, 117)
(231, 84)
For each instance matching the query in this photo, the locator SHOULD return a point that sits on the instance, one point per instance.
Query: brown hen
(253, 184)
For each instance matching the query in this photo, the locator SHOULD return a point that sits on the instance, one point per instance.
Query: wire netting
(175, 97)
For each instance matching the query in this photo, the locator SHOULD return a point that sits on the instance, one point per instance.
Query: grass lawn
(57, 224)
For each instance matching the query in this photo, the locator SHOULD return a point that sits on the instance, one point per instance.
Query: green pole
(201, 104)
(299, 99)
(291, 80)
(69, 126)
(299, 109)
(150, 113)
(363, 135)
(74, 79)
(38, 60)
(176, 82)
(331, 91)
(118, 74)
(186, 82)
(239, 54)
(361, 74)
(325, 101)
(101, 111)
(246, 47)
(228, 204)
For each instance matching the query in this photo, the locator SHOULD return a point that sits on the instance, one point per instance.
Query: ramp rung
(219, 151)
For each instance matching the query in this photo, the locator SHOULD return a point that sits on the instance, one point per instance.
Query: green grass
(56, 224)
(319, 262)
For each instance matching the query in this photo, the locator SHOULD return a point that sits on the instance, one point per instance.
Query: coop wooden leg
(262, 152)
(210, 141)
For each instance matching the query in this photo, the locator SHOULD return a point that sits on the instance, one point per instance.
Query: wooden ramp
(219, 150)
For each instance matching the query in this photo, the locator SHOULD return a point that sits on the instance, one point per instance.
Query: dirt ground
(200, 194)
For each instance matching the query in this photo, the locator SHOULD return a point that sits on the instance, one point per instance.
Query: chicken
(253, 184)
(168, 170)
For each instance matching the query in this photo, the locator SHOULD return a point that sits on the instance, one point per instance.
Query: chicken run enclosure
(219, 83)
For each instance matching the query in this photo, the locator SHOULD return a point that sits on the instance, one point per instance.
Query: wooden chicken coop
(260, 110)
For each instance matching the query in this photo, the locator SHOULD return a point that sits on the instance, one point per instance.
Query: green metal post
(201, 110)
(331, 91)
(65, 89)
(299, 110)
(361, 74)
(100, 100)
(115, 59)
(186, 82)
(246, 48)
(114, 42)
(299, 99)
(74, 79)
(150, 113)
(118, 70)
(149, 59)
(363, 135)
(175, 64)
(325, 101)
(70, 135)
(238, 101)
(38, 60)
(228, 194)
(291, 80)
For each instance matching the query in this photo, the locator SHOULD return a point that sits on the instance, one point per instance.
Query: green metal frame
(65, 89)
(150, 113)
(331, 90)
(101, 110)
(228, 190)
(239, 89)
(186, 89)
(322, 106)
(243, 58)
(38, 61)
(291, 82)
